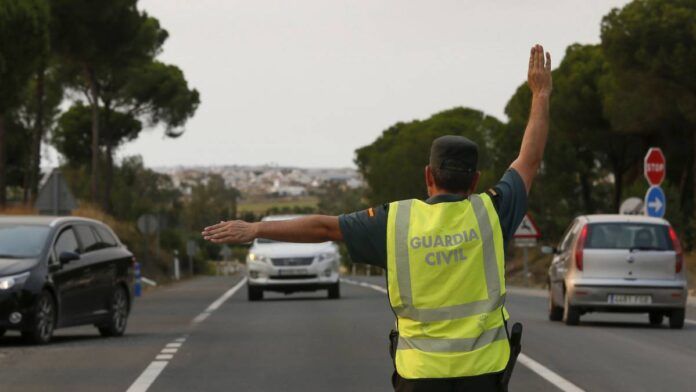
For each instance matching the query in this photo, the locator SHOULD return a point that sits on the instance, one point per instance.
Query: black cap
(454, 153)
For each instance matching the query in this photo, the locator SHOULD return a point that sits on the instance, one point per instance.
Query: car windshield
(18, 241)
(633, 236)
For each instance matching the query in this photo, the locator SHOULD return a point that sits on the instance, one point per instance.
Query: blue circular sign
(655, 202)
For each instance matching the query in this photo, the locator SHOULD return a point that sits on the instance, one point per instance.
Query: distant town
(267, 179)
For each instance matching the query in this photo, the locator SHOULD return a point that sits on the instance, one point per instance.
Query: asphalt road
(187, 338)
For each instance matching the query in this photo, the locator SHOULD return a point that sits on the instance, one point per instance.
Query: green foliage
(393, 165)
(23, 40)
(72, 136)
(210, 201)
(336, 199)
(650, 46)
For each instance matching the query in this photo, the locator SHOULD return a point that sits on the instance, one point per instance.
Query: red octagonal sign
(654, 166)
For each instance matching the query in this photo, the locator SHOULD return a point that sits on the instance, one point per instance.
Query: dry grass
(18, 210)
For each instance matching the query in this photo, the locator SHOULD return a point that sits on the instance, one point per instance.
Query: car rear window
(642, 236)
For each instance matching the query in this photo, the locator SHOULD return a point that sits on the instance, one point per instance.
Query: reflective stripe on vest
(450, 328)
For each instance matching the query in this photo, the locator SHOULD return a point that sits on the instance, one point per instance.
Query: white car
(289, 267)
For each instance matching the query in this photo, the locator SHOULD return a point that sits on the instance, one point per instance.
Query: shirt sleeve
(510, 200)
(365, 235)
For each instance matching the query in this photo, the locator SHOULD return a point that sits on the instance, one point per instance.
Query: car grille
(293, 277)
(292, 261)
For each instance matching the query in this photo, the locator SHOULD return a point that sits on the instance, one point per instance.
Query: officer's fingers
(215, 231)
(215, 226)
(548, 61)
(531, 58)
(540, 57)
(534, 57)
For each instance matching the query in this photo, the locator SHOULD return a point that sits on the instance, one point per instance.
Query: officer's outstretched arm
(313, 228)
(534, 140)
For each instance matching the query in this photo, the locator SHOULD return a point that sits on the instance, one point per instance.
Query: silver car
(618, 263)
(289, 267)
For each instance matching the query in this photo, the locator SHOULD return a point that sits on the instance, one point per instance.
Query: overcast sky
(305, 83)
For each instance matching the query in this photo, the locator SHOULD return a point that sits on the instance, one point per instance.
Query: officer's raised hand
(539, 73)
(534, 140)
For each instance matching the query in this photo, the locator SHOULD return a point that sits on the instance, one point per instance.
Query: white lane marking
(533, 365)
(692, 322)
(555, 379)
(148, 376)
(365, 284)
(218, 302)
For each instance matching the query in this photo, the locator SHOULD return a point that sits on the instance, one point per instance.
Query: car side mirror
(66, 257)
(549, 250)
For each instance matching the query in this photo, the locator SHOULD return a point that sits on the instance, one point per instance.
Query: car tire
(571, 314)
(555, 311)
(254, 293)
(118, 314)
(656, 318)
(43, 321)
(676, 319)
(335, 291)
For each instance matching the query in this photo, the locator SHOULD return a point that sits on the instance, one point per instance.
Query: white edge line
(548, 374)
(692, 322)
(533, 365)
(148, 376)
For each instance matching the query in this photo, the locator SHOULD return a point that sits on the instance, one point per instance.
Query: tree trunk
(108, 178)
(618, 189)
(34, 171)
(94, 102)
(3, 195)
(693, 178)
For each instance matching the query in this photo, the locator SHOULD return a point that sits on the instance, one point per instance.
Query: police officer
(444, 256)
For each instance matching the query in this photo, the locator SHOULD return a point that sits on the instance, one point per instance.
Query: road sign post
(191, 249)
(525, 237)
(654, 166)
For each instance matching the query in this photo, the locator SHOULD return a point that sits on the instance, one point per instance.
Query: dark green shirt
(365, 232)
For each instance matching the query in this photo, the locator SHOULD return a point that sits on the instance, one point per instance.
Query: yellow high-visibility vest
(446, 278)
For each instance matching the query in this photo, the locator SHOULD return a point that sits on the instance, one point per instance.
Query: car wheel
(43, 320)
(118, 315)
(335, 291)
(655, 318)
(676, 319)
(571, 314)
(254, 293)
(555, 311)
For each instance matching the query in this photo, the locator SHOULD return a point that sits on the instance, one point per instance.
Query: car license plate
(294, 271)
(627, 299)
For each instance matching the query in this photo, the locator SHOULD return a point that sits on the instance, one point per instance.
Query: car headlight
(8, 282)
(259, 258)
(325, 257)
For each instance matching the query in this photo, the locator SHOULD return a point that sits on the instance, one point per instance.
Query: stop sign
(654, 166)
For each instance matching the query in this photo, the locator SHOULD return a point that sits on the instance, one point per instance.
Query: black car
(60, 272)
